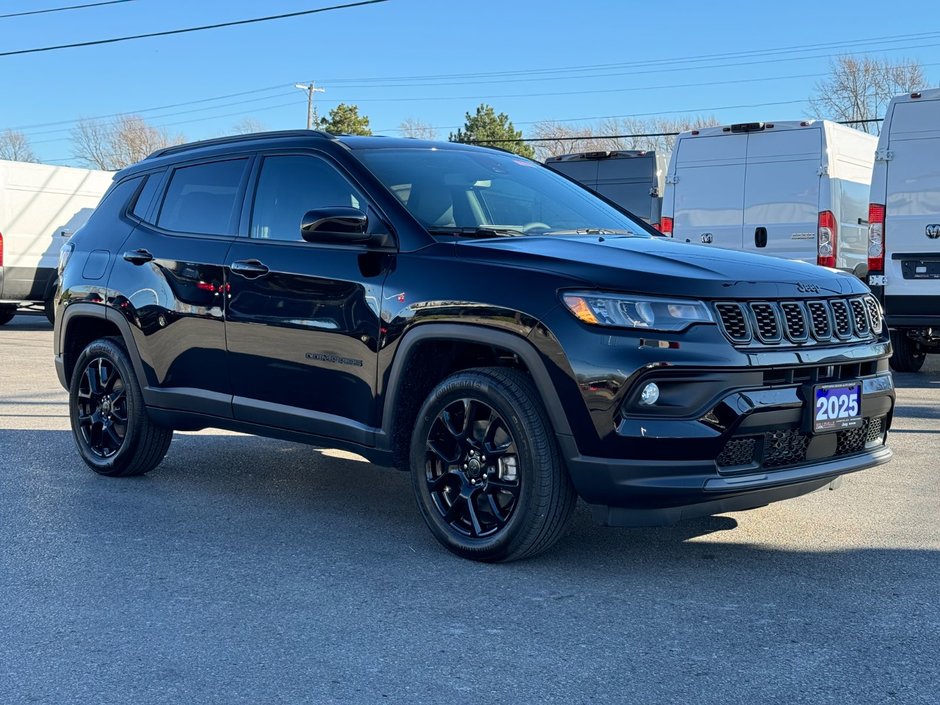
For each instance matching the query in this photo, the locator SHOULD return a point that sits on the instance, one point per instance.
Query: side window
(147, 194)
(291, 185)
(202, 198)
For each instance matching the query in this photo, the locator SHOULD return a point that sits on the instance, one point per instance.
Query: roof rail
(238, 138)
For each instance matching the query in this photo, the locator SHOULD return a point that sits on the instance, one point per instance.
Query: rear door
(912, 211)
(628, 181)
(709, 193)
(781, 193)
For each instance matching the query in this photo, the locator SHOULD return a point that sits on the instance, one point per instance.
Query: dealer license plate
(837, 406)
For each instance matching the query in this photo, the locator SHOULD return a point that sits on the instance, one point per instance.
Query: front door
(303, 319)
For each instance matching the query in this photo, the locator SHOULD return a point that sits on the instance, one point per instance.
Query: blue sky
(436, 60)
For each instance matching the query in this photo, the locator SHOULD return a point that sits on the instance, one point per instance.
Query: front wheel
(112, 430)
(486, 469)
(908, 355)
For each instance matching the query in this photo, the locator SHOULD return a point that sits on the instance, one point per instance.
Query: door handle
(249, 268)
(760, 237)
(138, 256)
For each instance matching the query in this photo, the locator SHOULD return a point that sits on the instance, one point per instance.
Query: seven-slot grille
(820, 321)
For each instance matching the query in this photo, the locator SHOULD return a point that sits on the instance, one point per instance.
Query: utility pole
(311, 88)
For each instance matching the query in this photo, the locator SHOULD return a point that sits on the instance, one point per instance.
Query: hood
(664, 267)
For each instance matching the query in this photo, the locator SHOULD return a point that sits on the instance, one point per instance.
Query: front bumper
(751, 448)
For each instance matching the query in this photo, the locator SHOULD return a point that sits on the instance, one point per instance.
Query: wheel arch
(84, 322)
(396, 391)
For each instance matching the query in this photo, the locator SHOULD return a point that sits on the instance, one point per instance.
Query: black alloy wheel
(112, 429)
(472, 468)
(486, 469)
(102, 407)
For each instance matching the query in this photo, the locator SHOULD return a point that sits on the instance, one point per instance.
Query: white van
(904, 248)
(794, 189)
(40, 207)
(632, 179)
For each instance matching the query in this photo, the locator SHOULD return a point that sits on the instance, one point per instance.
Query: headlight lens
(640, 312)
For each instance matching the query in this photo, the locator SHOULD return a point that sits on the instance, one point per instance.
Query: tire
(49, 309)
(6, 314)
(112, 430)
(514, 508)
(908, 355)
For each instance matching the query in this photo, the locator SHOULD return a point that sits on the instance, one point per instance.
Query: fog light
(650, 394)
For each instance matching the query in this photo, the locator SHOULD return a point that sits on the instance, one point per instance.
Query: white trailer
(904, 254)
(795, 189)
(40, 207)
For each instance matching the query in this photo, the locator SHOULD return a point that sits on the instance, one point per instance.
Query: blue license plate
(837, 407)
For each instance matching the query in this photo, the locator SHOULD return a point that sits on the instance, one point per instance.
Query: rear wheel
(487, 472)
(6, 314)
(112, 430)
(908, 355)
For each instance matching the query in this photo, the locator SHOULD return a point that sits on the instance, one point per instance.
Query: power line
(868, 42)
(186, 30)
(63, 9)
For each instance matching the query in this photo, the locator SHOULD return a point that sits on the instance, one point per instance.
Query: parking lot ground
(259, 571)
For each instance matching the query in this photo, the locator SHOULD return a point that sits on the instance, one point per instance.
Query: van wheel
(908, 355)
(112, 430)
(6, 314)
(486, 469)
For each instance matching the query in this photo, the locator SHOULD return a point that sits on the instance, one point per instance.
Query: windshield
(491, 194)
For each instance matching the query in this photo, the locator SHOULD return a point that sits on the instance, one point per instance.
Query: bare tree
(14, 146)
(247, 125)
(117, 144)
(614, 134)
(859, 88)
(413, 127)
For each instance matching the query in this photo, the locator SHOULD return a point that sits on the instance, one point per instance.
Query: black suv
(509, 338)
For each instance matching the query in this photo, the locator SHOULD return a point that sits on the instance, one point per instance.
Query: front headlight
(641, 312)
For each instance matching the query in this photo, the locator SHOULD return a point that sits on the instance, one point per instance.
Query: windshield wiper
(477, 231)
(589, 231)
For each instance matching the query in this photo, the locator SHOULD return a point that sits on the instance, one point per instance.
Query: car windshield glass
(489, 194)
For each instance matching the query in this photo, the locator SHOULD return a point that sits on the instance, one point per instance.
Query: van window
(202, 198)
(291, 185)
(147, 194)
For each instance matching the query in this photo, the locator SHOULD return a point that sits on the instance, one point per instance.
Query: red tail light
(876, 238)
(665, 226)
(826, 237)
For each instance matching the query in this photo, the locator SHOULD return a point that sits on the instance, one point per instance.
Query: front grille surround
(798, 323)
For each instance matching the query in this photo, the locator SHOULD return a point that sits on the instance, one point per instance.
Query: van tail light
(876, 238)
(826, 235)
(665, 225)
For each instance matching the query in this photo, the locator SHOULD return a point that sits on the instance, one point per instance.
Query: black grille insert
(874, 313)
(819, 314)
(840, 315)
(765, 316)
(795, 321)
(734, 322)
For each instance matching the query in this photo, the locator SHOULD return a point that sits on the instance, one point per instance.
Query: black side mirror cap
(335, 225)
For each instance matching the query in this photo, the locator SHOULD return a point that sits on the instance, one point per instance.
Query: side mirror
(336, 225)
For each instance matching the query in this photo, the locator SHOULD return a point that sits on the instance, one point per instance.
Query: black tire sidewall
(908, 355)
(480, 387)
(7, 313)
(119, 463)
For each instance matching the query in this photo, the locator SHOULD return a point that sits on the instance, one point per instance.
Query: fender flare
(475, 334)
(105, 313)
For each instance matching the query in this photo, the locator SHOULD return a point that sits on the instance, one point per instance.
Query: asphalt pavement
(247, 570)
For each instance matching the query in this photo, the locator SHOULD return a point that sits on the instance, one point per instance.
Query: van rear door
(781, 193)
(629, 181)
(708, 192)
(912, 213)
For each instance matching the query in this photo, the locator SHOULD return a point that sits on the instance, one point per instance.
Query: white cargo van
(904, 246)
(630, 178)
(40, 207)
(788, 189)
